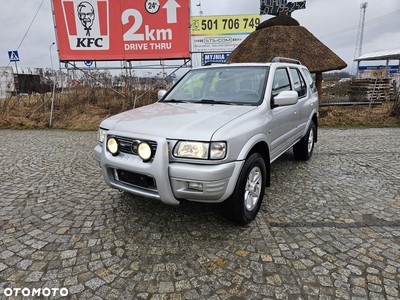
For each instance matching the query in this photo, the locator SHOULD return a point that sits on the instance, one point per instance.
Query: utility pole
(360, 35)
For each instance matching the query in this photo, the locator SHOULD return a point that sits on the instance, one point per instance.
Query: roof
(280, 37)
(381, 55)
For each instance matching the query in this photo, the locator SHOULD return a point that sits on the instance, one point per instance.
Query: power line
(370, 22)
(33, 20)
(23, 38)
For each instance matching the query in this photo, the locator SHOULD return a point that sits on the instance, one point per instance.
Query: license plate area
(135, 179)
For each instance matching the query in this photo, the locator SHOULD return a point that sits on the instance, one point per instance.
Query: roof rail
(282, 59)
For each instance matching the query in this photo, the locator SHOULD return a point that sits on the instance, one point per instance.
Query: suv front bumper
(172, 181)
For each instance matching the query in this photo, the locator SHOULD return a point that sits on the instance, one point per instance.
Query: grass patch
(358, 116)
(83, 108)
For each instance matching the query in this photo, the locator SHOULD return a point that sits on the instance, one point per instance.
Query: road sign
(13, 56)
(88, 63)
(73, 83)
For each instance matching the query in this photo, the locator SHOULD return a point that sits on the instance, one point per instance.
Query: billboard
(122, 30)
(221, 33)
(278, 7)
(393, 71)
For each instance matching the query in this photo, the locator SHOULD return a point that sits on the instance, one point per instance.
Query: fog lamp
(144, 151)
(112, 145)
(196, 186)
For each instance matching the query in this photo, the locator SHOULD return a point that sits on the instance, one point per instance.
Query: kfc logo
(86, 15)
(87, 24)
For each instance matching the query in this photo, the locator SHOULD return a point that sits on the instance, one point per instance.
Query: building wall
(379, 72)
(6, 82)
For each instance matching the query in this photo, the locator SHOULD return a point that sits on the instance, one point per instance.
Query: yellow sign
(223, 25)
(378, 73)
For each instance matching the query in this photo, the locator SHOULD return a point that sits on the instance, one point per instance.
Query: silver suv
(212, 137)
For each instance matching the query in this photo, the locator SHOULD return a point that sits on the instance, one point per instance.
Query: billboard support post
(54, 86)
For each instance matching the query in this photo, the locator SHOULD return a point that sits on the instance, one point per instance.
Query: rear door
(300, 86)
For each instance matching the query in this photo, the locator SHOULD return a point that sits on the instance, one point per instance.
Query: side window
(310, 81)
(298, 82)
(281, 82)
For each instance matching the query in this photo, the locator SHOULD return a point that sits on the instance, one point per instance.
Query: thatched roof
(283, 36)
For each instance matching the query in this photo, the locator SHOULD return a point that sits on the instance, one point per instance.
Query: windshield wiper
(175, 101)
(211, 101)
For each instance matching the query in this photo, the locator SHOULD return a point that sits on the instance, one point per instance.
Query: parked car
(212, 137)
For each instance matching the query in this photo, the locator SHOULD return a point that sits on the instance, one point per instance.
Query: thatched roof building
(283, 36)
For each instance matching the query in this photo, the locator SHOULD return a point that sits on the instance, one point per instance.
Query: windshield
(220, 85)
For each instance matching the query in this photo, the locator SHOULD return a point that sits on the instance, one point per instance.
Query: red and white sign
(73, 83)
(121, 29)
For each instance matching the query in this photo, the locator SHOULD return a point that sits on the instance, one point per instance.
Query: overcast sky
(334, 22)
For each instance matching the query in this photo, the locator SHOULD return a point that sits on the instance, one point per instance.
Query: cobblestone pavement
(328, 228)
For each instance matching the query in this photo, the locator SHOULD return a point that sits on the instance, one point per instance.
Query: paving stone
(328, 228)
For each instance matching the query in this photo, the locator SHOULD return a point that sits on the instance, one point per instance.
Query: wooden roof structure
(284, 37)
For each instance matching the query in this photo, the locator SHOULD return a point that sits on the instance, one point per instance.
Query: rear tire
(303, 149)
(243, 205)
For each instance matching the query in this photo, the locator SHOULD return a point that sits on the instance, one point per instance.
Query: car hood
(176, 120)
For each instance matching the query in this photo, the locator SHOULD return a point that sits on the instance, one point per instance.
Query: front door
(284, 119)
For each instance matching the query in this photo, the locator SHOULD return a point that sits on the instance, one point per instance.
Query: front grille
(135, 179)
(129, 145)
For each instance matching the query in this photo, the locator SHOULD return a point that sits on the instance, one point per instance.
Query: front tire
(303, 149)
(243, 205)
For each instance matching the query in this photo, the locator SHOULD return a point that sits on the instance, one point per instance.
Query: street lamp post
(54, 86)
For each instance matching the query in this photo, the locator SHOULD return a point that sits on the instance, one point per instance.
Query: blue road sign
(88, 63)
(13, 56)
(215, 57)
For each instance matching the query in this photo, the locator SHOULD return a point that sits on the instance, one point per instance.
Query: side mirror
(286, 98)
(161, 94)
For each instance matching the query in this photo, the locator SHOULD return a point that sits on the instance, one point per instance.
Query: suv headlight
(200, 150)
(101, 134)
